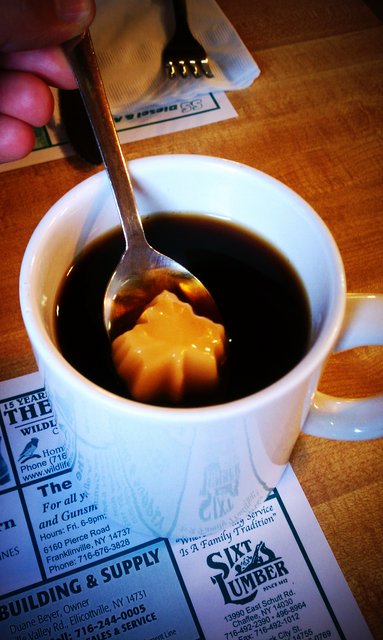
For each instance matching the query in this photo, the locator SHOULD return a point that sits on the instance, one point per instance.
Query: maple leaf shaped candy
(170, 352)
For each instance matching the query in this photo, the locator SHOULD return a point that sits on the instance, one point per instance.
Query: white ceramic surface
(193, 471)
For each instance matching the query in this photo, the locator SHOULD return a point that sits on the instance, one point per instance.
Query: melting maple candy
(170, 352)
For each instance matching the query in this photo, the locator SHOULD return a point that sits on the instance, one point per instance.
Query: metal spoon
(142, 272)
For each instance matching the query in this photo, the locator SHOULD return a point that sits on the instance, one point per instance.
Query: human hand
(31, 60)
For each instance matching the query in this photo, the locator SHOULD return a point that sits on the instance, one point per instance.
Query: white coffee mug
(173, 471)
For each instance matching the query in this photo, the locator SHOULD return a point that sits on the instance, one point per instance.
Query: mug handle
(348, 418)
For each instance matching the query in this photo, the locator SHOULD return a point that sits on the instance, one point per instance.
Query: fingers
(17, 139)
(41, 23)
(25, 97)
(25, 102)
(30, 60)
(50, 64)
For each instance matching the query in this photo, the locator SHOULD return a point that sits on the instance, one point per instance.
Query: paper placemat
(68, 572)
(52, 141)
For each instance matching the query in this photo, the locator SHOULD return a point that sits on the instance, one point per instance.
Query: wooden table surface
(314, 120)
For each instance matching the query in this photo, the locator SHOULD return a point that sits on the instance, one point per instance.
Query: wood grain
(313, 119)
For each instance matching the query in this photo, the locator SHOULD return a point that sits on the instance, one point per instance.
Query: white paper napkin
(129, 36)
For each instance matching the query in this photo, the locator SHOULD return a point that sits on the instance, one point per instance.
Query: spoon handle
(82, 57)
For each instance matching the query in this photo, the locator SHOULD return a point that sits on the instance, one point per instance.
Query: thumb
(41, 23)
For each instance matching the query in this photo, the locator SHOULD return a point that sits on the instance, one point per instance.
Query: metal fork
(183, 53)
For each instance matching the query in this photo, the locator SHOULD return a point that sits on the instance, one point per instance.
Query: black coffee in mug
(261, 298)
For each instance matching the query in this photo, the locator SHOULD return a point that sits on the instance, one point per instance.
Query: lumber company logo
(241, 570)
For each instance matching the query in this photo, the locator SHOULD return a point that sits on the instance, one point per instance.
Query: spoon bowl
(136, 282)
(142, 272)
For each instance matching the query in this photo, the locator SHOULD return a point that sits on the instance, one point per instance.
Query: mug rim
(43, 344)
